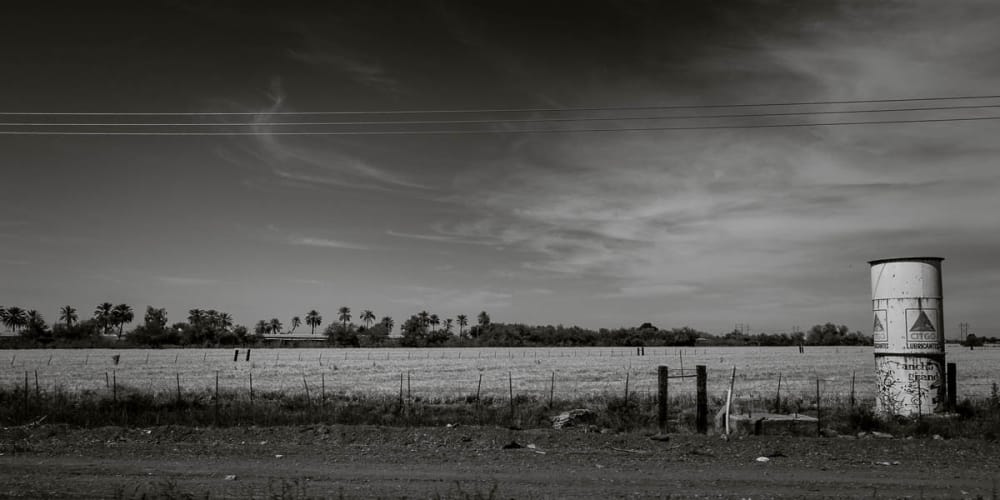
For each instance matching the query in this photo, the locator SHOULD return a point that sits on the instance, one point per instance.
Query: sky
(766, 227)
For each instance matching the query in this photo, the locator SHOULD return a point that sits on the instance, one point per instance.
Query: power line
(495, 110)
(493, 121)
(498, 131)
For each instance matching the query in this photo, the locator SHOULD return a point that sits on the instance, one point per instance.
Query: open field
(453, 373)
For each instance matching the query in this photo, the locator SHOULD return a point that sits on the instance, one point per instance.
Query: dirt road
(354, 461)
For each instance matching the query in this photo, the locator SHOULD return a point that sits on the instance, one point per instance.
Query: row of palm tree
(109, 317)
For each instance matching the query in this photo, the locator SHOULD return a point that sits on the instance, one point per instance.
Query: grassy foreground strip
(132, 407)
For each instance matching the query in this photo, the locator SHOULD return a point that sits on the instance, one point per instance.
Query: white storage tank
(908, 330)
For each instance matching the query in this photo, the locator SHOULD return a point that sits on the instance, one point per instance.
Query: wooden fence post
(854, 374)
(216, 414)
(952, 386)
(236, 355)
(729, 398)
(627, 373)
(819, 413)
(777, 398)
(552, 388)
(701, 417)
(510, 384)
(248, 355)
(306, 385)
(661, 401)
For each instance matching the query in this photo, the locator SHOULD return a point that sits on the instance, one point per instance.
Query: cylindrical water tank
(908, 330)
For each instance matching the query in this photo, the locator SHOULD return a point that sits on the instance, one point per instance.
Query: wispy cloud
(185, 280)
(444, 238)
(326, 243)
(300, 163)
(365, 72)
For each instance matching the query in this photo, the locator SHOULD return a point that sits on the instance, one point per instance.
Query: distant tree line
(209, 327)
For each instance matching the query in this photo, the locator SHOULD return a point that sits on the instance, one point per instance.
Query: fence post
(952, 386)
(552, 388)
(819, 413)
(777, 397)
(661, 401)
(853, 376)
(306, 385)
(236, 355)
(248, 355)
(510, 384)
(627, 373)
(216, 414)
(701, 420)
(729, 398)
(178, 375)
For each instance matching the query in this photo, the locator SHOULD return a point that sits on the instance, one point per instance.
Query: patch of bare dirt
(326, 461)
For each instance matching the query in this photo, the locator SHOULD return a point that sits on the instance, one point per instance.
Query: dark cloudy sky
(771, 227)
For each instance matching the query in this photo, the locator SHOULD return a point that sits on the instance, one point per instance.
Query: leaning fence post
(952, 386)
(729, 398)
(236, 355)
(701, 419)
(661, 401)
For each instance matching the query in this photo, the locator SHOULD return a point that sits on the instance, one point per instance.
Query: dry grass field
(454, 373)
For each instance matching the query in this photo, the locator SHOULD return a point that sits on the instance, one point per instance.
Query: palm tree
(196, 317)
(121, 314)
(313, 319)
(275, 325)
(345, 315)
(448, 326)
(67, 314)
(463, 321)
(262, 328)
(212, 319)
(368, 317)
(103, 315)
(225, 321)
(35, 321)
(423, 315)
(484, 319)
(15, 318)
(388, 324)
(296, 322)
(434, 321)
